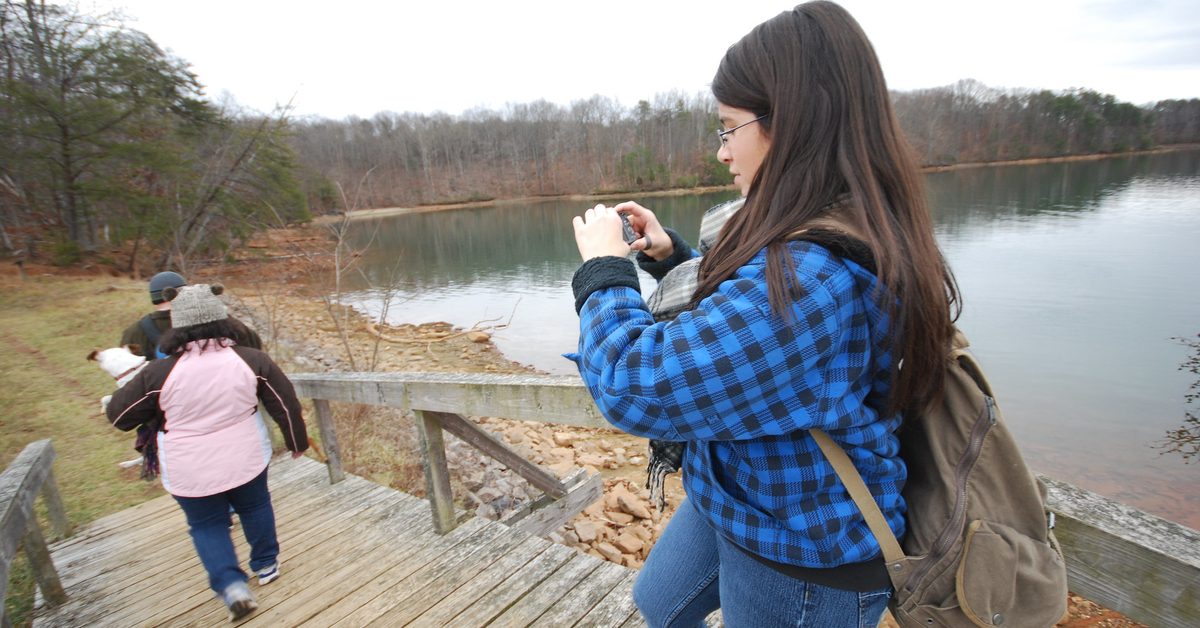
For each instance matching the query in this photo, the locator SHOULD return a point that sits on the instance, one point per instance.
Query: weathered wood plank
(146, 511)
(329, 438)
(368, 546)
(1139, 565)
(502, 583)
(516, 550)
(637, 621)
(581, 599)
(437, 475)
(528, 610)
(461, 427)
(475, 532)
(54, 505)
(544, 515)
(614, 609)
(19, 486)
(544, 398)
(349, 582)
(352, 556)
(42, 565)
(180, 575)
(477, 551)
(180, 591)
(309, 571)
(169, 535)
(281, 478)
(329, 543)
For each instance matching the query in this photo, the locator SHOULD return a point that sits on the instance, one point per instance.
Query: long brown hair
(834, 136)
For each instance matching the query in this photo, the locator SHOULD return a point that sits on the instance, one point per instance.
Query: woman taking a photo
(823, 303)
(211, 444)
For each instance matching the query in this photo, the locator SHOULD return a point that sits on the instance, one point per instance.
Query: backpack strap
(858, 490)
(153, 334)
(839, 238)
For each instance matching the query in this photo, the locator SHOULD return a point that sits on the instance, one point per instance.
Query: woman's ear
(170, 292)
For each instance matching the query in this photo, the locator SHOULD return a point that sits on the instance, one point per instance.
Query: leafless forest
(599, 145)
(109, 140)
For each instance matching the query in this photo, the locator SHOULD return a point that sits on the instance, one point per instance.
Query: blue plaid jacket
(742, 387)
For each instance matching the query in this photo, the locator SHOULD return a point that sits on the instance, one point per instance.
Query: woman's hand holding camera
(599, 232)
(654, 241)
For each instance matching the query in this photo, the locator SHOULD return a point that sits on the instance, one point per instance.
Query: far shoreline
(382, 212)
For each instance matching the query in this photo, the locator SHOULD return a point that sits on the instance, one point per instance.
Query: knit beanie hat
(161, 281)
(195, 305)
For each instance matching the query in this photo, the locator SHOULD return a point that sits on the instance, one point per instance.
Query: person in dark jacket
(211, 443)
(783, 330)
(147, 332)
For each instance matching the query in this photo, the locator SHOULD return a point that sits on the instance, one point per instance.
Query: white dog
(120, 362)
(123, 364)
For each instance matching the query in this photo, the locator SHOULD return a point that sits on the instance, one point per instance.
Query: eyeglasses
(723, 134)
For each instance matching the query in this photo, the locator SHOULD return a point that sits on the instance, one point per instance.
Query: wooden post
(20, 484)
(54, 503)
(476, 436)
(42, 566)
(329, 437)
(437, 476)
(1140, 565)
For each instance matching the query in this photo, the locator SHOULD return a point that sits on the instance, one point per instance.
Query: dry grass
(381, 445)
(48, 389)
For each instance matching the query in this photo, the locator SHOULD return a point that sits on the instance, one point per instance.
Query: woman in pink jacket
(212, 445)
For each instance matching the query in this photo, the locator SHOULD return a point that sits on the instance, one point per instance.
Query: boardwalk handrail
(440, 402)
(1140, 565)
(27, 476)
(560, 399)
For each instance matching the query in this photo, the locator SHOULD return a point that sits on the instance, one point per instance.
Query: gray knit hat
(195, 305)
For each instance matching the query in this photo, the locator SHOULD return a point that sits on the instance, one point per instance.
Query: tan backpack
(980, 550)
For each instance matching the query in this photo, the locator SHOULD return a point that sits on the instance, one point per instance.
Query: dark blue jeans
(209, 520)
(692, 571)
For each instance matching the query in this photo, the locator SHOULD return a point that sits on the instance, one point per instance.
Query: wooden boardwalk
(353, 554)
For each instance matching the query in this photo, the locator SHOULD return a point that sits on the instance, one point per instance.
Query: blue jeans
(209, 520)
(692, 571)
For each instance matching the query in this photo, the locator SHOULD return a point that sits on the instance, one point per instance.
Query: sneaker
(268, 574)
(238, 600)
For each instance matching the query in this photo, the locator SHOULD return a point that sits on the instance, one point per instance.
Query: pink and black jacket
(213, 438)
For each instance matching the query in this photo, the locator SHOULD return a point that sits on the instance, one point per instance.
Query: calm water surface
(1076, 279)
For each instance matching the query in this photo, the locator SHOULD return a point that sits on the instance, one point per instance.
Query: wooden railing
(440, 402)
(1137, 564)
(20, 483)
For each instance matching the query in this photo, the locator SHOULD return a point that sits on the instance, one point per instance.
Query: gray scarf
(671, 298)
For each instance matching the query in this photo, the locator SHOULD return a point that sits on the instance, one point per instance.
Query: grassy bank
(48, 389)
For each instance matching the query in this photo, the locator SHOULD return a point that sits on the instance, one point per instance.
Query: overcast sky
(358, 58)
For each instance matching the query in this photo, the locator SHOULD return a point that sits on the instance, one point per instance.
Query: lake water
(1077, 279)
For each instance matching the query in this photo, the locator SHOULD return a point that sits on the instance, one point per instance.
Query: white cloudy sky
(358, 58)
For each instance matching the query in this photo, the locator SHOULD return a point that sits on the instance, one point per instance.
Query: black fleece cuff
(602, 272)
(659, 269)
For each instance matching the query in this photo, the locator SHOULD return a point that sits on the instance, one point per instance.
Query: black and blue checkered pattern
(741, 387)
